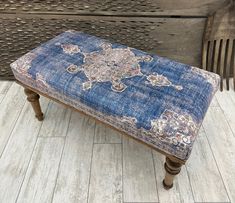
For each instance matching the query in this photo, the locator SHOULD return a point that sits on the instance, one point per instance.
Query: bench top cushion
(156, 100)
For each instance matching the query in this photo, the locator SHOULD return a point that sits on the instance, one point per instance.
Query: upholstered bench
(155, 100)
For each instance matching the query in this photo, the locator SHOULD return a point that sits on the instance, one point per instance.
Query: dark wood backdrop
(171, 28)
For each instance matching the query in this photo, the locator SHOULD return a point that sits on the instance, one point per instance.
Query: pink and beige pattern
(109, 64)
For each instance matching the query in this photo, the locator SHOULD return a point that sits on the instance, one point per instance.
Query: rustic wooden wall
(167, 27)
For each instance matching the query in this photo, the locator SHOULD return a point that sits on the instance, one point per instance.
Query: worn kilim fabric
(156, 100)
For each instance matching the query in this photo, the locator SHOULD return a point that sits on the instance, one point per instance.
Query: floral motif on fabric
(41, 81)
(129, 120)
(87, 85)
(160, 80)
(212, 78)
(72, 69)
(110, 65)
(23, 64)
(173, 126)
(70, 48)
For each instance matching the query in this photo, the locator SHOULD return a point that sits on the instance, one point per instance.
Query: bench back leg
(33, 98)
(172, 169)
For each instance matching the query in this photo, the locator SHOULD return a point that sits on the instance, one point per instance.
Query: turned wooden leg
(172, 169)
(33, 98)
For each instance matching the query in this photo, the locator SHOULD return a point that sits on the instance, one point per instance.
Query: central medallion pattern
(107, 65)
(112, 65)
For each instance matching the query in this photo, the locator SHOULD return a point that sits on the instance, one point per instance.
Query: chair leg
(172, 168)
(33, 98)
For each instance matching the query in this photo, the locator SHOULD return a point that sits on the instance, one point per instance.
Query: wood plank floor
(70, 158)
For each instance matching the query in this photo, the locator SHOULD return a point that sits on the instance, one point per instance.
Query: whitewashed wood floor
(70, 158)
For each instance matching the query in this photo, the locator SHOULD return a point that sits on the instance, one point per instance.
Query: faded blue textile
(154, 99)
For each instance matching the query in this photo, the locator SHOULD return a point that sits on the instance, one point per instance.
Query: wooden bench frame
(172, 164)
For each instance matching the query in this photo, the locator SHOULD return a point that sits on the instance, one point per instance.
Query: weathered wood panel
(139, 183)
(113, 136)
(226, 101)
(10, 110)
(214, 102)
(175, 38)
(104, 134)
(222, 142)
(4, 86)
(106, 174)
(118, 7)
(40, 179)
(56, 121)
(1, 97)
(74, 173)
(100, 133)
(16, 156)
(204, 175)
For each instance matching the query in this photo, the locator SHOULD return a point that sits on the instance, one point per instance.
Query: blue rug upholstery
(154, 99)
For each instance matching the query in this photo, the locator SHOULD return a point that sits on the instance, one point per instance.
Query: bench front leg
(172, 168)
(33, 98)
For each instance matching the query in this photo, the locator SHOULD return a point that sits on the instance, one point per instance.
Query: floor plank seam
(7, 89)
(70, 117)
(14, 125)
(190, 184)
(105, 135)
(154, 170)
(92, 152)
(28, 165)
(54, 105)
(224, 117)
(4, 95)
(65, 138)
(58, 169)
(105, 143)
(31, 154)
(218, 167)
